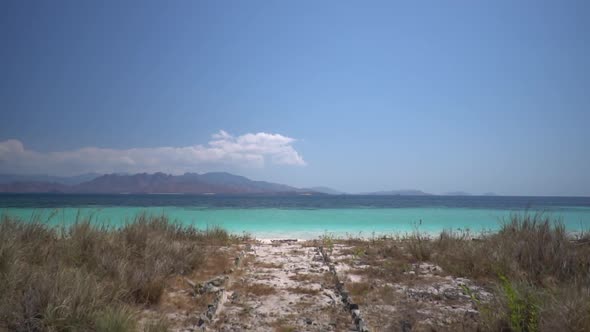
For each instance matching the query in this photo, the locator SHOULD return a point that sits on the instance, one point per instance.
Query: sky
(475, 96)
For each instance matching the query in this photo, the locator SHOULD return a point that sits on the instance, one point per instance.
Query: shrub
(542, 274)
(115, 319)
(157, 325)
(522, 306)
(419, 246)
(81, 277)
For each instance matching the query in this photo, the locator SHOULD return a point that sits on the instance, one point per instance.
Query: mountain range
(188, 183)
(403, 192)
(67, 180)
(143, 183)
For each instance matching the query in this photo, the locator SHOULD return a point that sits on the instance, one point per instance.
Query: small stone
(308, 321)
(203, 319)
(405, 326)
(217, 281)
(191, 283)
(362, 327)
(208, 288)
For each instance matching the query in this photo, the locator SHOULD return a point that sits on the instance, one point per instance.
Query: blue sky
(439, 96)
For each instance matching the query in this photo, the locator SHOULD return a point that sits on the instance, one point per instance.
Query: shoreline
(216, 279)
(303, 223)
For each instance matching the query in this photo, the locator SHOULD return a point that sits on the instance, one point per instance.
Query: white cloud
(223, 151)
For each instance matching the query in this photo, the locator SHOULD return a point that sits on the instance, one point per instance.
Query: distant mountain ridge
(188, 183)
(326, 190)
(463, 193)
(458, 193)
(144, 183)
(39, 178)
(402, 192)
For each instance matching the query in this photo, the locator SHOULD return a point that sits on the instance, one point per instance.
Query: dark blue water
(291, 202)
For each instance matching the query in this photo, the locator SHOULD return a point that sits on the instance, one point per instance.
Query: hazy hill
(326, 190)
(67, 180)
(33, 187)
(402, 192)
(457, 193)
(189, 183)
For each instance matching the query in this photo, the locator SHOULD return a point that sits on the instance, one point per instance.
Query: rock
(405, 326)
(451, 294)
(362, 327)
(191, 283)
(308, 321)
(344, 295)
(203, 319)
(208, 288)
(288, 241)
(217, 281)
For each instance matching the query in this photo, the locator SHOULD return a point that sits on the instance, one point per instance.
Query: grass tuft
(115, 319)
(86, 276)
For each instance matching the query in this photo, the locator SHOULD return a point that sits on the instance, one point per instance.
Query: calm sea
(302, 216)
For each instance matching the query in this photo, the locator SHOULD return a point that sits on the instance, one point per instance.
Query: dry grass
(267, 265)
(303, 290)
(539, 274)
(86, 277)
(530, 247)
(284, 328)
(159, 324)
(282, 325)
(359, 290)
(542, 276)
(384, 259)
(256, 289)
(419, 246)
(307, 277)
(297, 252)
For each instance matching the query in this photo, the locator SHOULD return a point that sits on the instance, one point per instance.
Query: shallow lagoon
(302, 217)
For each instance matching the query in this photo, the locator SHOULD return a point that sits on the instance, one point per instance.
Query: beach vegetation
(86, 276)
(327, 241)
(419, 245)
(535, 268)
(115, 319)
(159, 324)
(255, 289)
(537, 272)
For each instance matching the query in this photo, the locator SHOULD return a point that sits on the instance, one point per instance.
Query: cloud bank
(221, 152)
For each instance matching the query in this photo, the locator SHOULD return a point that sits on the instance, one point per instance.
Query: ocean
(302, 217)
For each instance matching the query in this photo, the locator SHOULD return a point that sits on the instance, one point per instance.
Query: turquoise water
(306, 223)
(301, 216)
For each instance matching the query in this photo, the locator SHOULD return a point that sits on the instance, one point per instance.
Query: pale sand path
(282, 287)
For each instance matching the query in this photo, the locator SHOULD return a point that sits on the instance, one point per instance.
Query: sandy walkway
(282, 287)
(292, 287)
